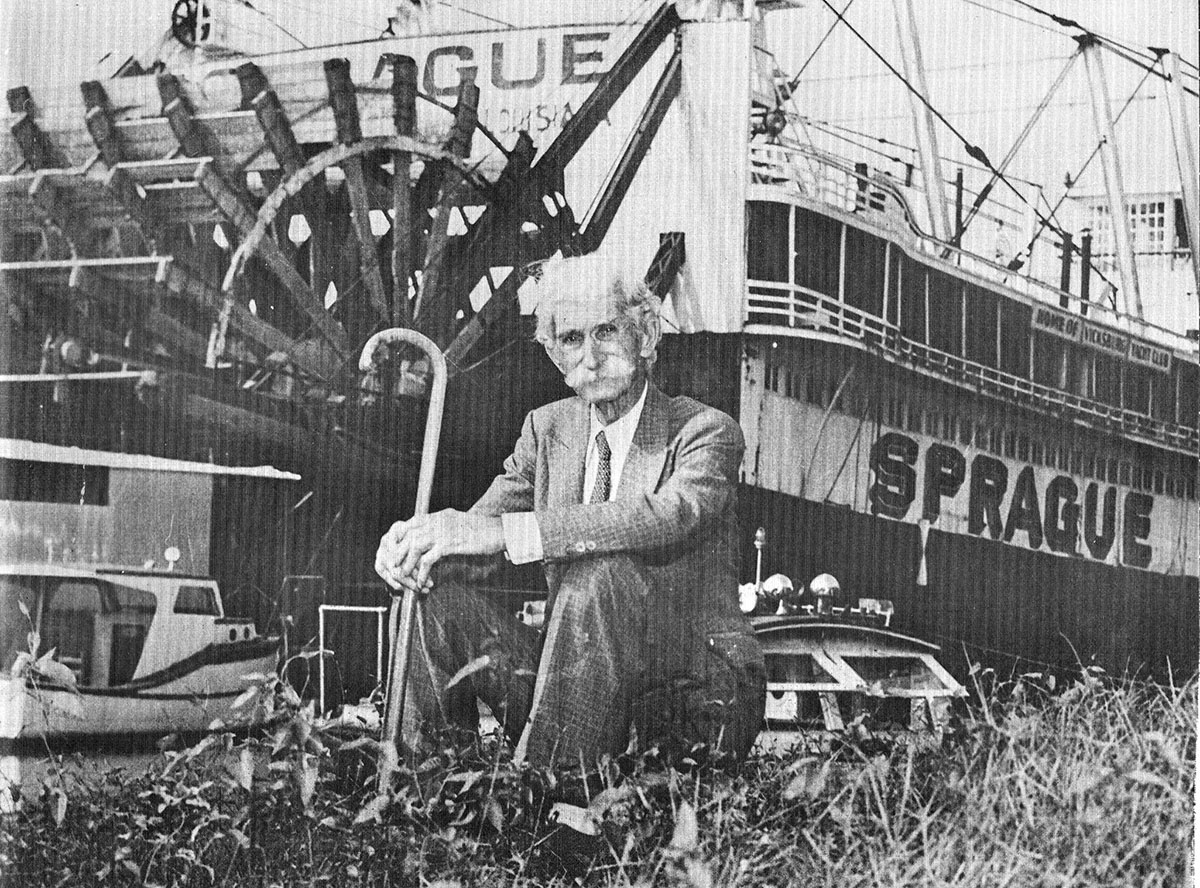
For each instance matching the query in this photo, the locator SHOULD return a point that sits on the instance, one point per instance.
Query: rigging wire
(795, 81)
(1037, 113)
(820, 125)
(1009, 15)
(1149, 69)
(972, 150)
(1054, 210)
(1119, 48)
(481, 15)
(325, 11)
(885, 141)
(270, 19)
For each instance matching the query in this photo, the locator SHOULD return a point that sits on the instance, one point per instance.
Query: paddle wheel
(217, 244)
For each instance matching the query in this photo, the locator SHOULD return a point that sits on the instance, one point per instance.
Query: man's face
(597, 349)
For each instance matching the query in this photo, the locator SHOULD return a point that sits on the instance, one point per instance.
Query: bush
(1091, 784)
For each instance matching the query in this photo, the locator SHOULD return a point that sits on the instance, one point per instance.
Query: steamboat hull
(988, 603)
(812, 475)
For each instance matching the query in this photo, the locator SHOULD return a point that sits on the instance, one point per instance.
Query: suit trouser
(602, 664)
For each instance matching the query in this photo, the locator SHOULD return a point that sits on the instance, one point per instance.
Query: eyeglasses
(606, 334)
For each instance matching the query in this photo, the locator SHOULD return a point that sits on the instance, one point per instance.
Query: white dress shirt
(522, 536)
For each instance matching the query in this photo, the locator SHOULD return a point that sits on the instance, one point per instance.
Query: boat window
(1162, 397)
(1181, 236)
(14, 625)
(69, 621)
(912, 299)
(865, 257)
(896, 673)
(1137, 388)
(124, 600)
(767, 257)
(1035, 452)
(818, 252)
(982, 307)
(1014, 338)
(945, 313)
(893, 300)
(1189, 393)
(1124, 474)
(1049, 357)
(1107, 380)
(33, 481)
(196, 600)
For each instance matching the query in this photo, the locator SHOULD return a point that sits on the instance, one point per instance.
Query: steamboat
(195, 248)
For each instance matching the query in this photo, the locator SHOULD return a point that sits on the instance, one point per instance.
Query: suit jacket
(674, 508)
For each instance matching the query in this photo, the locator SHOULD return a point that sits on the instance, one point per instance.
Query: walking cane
(410, 601)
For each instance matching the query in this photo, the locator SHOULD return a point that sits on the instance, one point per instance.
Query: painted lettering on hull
(581, 61)
(1035, 509)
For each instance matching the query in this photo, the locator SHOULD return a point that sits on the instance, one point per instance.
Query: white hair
(584, 278)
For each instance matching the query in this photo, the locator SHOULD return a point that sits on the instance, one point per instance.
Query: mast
(1185, 156)
(1113, 183)
(931, 163)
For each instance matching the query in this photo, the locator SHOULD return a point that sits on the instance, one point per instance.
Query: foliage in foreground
(1092, 785)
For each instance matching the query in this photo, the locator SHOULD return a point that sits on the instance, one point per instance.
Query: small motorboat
(92, 650)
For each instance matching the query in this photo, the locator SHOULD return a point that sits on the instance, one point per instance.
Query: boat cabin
(111, 626)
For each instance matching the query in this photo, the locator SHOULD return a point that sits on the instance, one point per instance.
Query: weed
(1088, 784)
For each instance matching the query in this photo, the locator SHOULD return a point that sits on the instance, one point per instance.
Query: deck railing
(774, 307)
(818, 176)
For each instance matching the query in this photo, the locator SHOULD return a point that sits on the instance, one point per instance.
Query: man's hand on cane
(410, 549)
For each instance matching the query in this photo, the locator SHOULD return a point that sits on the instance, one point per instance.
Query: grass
(1087, 785)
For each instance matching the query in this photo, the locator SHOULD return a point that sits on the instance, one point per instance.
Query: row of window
(797, 246)
(998, 439)
(1156, 225)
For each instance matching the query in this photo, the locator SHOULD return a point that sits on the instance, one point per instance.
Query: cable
(1037, 113)
(873, 150)
(248, 5)
(489, 18)
(972, 150)
(1009, 15)
(954, 160)
(1149, 69)
(1123, 50)
(795, 81)
(1054, 210)
(1008, 63)
(324, 11)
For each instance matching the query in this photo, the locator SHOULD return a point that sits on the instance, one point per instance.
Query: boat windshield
(96, 628)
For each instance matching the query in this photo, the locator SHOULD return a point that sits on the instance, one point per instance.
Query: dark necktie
(603, 485)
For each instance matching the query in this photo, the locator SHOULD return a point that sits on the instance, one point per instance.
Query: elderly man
(627, 498)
